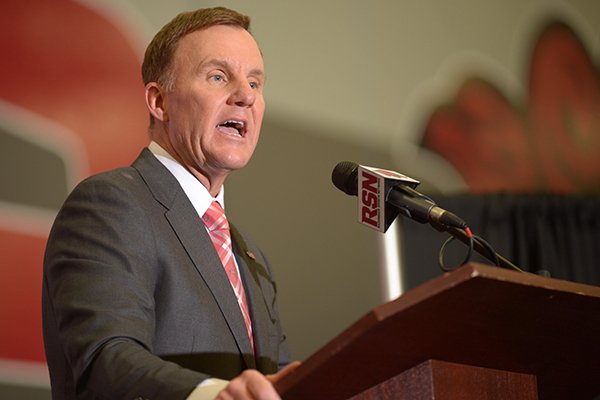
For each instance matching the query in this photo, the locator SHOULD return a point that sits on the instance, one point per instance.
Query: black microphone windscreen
(345, 177)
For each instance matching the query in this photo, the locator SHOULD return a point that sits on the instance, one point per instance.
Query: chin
(235, 164)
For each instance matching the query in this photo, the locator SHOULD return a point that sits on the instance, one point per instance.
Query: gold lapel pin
(251, 255)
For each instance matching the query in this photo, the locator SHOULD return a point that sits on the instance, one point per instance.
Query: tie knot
(214, 218)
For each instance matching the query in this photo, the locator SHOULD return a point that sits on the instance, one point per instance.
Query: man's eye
(217, 78)
(257, 85)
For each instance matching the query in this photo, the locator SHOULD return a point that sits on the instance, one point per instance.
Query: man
(136, 300)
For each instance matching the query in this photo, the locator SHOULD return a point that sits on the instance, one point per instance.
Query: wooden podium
(478, 332)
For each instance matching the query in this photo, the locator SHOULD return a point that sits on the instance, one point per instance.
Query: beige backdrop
(348, 80)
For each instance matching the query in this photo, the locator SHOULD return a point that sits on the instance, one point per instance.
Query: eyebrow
(215, 62)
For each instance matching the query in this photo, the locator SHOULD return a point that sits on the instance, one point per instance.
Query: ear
(155, 102)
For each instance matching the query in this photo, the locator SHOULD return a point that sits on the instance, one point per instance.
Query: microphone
(383, 194)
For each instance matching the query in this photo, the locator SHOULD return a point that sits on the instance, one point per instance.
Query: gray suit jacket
(136, 303)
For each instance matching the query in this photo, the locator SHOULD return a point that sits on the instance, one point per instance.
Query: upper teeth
(240, 124)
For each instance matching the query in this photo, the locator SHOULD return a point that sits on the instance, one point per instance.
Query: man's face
(214, 111)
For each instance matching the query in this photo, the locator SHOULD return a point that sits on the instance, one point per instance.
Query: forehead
(220, 42)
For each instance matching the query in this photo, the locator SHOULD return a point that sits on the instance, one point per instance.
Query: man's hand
(252, 385)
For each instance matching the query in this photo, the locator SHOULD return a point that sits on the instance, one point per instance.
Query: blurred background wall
(394, 84)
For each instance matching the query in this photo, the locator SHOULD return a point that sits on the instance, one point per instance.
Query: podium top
(476, 315)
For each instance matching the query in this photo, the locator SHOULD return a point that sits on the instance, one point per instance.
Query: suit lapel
(188, 227)
(254, 276)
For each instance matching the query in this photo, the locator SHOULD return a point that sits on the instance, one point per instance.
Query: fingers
(250, 385)
(284, 372)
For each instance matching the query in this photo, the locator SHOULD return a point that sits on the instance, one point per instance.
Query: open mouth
(233, 127)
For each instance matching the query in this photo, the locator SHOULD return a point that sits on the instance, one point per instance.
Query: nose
(243, 95)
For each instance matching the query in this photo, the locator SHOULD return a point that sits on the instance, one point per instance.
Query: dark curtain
(558, 234)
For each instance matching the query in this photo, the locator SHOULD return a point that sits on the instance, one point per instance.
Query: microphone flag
(374, 184)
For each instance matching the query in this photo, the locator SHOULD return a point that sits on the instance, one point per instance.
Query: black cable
(470, 245)
(482, 247)
(489, 249)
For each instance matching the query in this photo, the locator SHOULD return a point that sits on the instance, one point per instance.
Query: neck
(213, 182)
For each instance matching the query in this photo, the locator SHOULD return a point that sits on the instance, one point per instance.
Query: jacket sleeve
(98, 305)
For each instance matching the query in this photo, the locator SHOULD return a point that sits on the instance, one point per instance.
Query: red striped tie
(218, 228)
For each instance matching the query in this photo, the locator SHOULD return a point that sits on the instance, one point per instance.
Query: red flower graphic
(64, 63)
(554, 146)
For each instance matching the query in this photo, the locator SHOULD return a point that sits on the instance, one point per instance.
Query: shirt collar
(194, 190)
